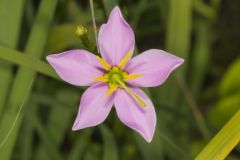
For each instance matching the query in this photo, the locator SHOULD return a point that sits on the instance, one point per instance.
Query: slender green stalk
(21, 59)
(25, 77)
(225, 140)
(94, 24)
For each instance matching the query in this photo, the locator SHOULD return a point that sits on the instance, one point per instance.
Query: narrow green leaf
(225, 140)
(11, 17)
(25, 60)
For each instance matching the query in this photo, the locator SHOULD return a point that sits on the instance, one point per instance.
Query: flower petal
(155, 66)
(94, 107)
(116, 38)
(142, 120)
(77, 67)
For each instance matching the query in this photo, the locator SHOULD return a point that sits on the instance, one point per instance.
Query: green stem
(226, 139)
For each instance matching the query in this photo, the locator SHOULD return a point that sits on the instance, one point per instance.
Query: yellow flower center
(116, 78)
(115, 75)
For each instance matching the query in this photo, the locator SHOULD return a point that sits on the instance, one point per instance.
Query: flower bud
(80, 31)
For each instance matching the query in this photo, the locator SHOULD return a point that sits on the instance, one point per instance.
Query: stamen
(111, 89)
(125, 59)
(104, 63)
(132, 76)
(101, 79)
(116, 78)
(131, 93)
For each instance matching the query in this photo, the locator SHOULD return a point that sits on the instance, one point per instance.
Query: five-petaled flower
(114, 79)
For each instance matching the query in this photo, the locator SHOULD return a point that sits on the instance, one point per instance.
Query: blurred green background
(192, 106)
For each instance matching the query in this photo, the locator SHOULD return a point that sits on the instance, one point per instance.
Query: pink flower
(114, 79)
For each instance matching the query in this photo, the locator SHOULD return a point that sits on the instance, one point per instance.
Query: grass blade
(226, 139)
(9, 33)
(17, 57)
